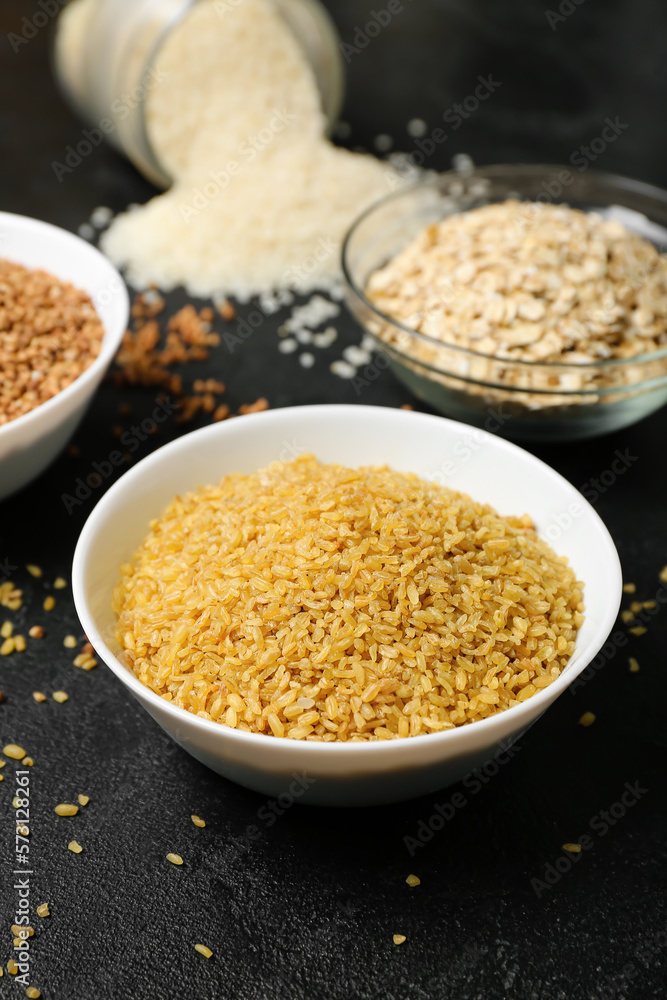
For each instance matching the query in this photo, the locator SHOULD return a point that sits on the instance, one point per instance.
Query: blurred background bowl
(489, 469)
(517, 399)
(31, 442)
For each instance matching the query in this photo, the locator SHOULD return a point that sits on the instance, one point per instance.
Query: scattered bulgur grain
(7, 647)
(26, 931)
(60, 696)
(413, 880)
(14, 751)
(43, 910)
(627, 615)
(175, 859)
(16, 802)
(28, 761)
(634, 665)
(33, 993)
(36, 632)
(638, 630)
(59, 583)
(6, 630)
(35, 571)
(49, 603)
(399, 938)
(649, 605)
(39, 696)
(87, 648)
(2, 764)
(19, 643)
(12, 967)
(587, 719)
(257, 407)
(405, 602)
(74, 847)
(66, 809)
(2, 777)
(629, 588)
(83, 800)
(226, 310)
(407, 406)
(69, 642)
(2, 697)
(663, 574)
(203, 950)
(572, 848)
(197, 820)
(221, 412)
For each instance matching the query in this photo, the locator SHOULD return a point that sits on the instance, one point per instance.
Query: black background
(309, 909)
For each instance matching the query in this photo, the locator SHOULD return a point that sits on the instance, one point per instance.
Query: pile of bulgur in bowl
(316, 602)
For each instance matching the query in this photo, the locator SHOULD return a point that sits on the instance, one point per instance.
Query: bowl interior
(488, 468)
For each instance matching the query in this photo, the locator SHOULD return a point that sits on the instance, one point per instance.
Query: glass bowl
(526, 400)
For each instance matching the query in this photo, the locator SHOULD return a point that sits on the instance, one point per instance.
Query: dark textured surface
(309, 909)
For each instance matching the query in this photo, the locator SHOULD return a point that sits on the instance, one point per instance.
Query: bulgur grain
(83, 799)
(66, 809)
(36, 632)
(633, 664)
(60, 696)
(6, 630)
(197, 820)
(69, 642)
(59, 583)
(32, 993)
(203, 950)
(19, 643)
(26, 931)
(399, 938)
(74, 847)
(43, 910)
(629, 588)
(572, 848)
(587, 719)
(397, 606)
(49, 603)
(39, 696)
(14, 751)
(175, 859)
(413, 880)
(28, 761)
(638, 630)
(35, 571)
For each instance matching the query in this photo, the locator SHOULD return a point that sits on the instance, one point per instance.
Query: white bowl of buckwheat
(528, 300)
(63, 311)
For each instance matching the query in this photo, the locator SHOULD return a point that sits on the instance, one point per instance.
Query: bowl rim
(111, 339)
(523, 713)
(494, 170)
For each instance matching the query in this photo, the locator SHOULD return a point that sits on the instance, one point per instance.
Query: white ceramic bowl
(467, 459)
(31, 442)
